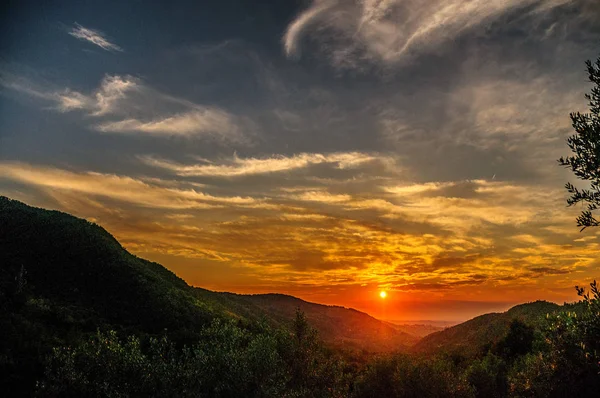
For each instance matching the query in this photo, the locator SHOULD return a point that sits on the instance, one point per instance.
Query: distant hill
(417, 329)
(470, 337)
(338, 326)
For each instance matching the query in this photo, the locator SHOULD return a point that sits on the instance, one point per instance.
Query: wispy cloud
(104, 100)
(389, 31)
(297, 28)
(139, 108)
(206, 121)
(121, 188)
(237, 166)
(93, 36)
(508, 112)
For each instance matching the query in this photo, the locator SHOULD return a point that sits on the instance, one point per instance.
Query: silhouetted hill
(78, 275)
(77, 265)
(471, 337)
(337, 325)
(62, 278)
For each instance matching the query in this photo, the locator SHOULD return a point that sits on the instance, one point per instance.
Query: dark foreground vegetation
(80, 316)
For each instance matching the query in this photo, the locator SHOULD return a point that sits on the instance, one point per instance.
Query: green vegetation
(80, 316)
(338, 326)
(479, 334)
(227, 362)
(585, 144)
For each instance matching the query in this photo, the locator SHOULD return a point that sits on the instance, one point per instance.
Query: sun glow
(383, 294)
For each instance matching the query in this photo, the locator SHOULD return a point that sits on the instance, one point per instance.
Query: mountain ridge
(476, 335)
(90, 270)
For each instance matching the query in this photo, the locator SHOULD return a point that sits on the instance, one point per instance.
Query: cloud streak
(203, 121)
(237, 167)
(93, 36)
(121, 188)
(389, 31)
(124, 104)
(105, 100)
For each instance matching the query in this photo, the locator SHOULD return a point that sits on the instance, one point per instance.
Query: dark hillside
(62, 278)
(339, 326)
(471, 337)
(75, 263)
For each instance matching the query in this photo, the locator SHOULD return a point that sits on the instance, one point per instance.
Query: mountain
(76, 265)
(338, 326)
(473, 336)
(62, 278)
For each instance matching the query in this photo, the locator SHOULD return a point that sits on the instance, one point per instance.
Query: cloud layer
(355, 229)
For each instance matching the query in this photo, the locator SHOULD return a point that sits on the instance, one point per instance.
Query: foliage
(404, 376)
(229, 362)
(585, 163)
(314, 370)
(569, 365)
(488, 376)
(518, 341)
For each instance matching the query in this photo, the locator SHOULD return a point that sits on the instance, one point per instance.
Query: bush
(229, 362)
(402, 376)
(569, 365)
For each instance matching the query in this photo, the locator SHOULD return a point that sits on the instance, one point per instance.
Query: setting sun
(383, 294)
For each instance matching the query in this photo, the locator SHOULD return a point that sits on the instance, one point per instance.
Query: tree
(406, 376)
(585, 144)
(518, 341)
(569, 365)
(488, 376)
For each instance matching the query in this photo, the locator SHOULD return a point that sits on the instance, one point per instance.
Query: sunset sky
(325, 149)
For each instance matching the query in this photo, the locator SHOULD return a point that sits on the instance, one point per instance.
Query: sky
(326, 149)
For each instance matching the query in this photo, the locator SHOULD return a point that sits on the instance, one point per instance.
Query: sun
(383, 294)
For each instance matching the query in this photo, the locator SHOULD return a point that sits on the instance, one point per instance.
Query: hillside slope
(78, 278)
(76, 264)
(339, 326)
(471, 337)
(63, 278)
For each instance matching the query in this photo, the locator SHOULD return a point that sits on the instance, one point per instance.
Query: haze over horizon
(324, 149)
